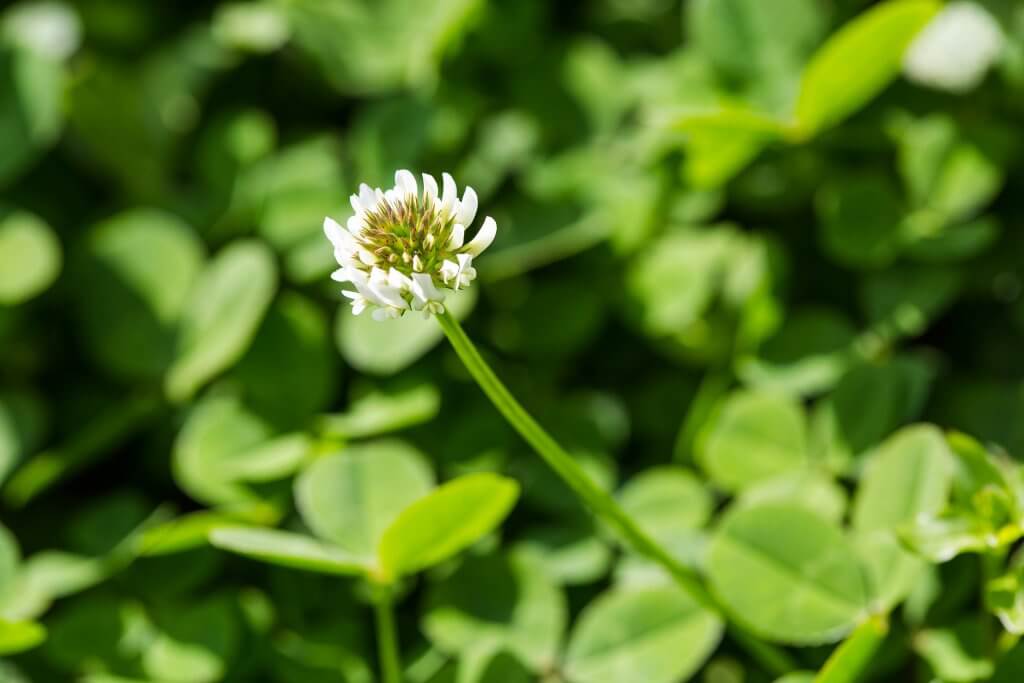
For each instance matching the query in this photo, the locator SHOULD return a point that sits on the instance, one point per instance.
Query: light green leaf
(667, 502)
(181, 533)
(655, 635)
(908, 476)
(223, 313)
(385, 347)
(350, 499)
(811, 488)
(17, 636)
(787, 574)
(287, 549)
(446, 521)
(211, 459)
(383, 410)
(856, 63)
(30, 257)
(755, 437)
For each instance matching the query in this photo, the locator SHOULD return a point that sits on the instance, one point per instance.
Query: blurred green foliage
(754, 258)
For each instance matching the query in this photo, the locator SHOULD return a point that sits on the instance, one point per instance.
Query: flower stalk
(387, 639)
(401, 251)
(600, 502)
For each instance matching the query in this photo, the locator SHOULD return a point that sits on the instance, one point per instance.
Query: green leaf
(861, 221)
(811, 488)
(31, 112)
(287, 549)
(907, 478)
(571, 553)
(909, 475)
(180, 534)
(506, 600)
(748, 39)
(194, 643)
(19, 636)
(756, 436)
(808, 354)
(351, 499)
(30, 257)
(344, 40)
(290, 373)
(657, 635)
(957, 654)
(856, 63)
(10, 558)
(386, 347)
(445, 521)
(131, 280)
(23, 422)
(667, 502)
(222, 315)
(787, 574)
(223, 444)
(382, 410)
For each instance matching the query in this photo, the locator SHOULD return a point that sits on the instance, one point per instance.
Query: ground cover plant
(682, 341)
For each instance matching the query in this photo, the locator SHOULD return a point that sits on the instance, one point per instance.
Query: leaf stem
(387, 639)
(600, 502)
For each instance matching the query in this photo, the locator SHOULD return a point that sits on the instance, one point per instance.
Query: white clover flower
(402, 249)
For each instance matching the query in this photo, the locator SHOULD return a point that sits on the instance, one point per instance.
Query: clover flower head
(402, 248)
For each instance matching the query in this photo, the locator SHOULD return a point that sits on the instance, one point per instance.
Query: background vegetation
(759, 267)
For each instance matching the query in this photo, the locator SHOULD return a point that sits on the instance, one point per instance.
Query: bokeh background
(699, 267)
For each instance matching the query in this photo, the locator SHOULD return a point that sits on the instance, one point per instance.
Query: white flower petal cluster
(403, 248)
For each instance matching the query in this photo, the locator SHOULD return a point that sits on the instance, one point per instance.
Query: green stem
(387, 640)
(597, 499)
(847, 662)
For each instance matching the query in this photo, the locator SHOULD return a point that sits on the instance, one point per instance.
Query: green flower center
(400, 233)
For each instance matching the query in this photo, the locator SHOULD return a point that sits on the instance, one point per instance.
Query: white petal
(398, 280)
(355, 224)
(357, 206)
(458, 236)
(406, 181)
(391, 196)
(483, 238)
(368, 293)
(340, 275)
(449, 270)
(367, 197)
(340, 238)
(429, 189)
(423, 288)
(467, 207)
(450, 192)
(390, 295)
